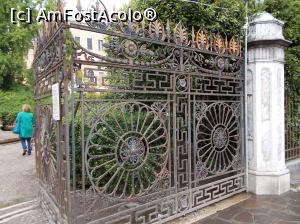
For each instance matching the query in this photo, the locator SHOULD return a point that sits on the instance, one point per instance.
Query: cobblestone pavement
(18, 182)
(284, 209)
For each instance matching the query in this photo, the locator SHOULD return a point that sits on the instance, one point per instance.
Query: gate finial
(78, 5)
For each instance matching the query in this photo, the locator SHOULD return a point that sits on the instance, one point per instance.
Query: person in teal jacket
(25, 121)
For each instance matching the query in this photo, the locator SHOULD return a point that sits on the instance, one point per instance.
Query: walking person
(24, 127)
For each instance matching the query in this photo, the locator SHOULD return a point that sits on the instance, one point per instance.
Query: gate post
(265, 98)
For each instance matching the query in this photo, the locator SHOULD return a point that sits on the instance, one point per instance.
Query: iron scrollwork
(127, 149)
(218, 137)
(160, 138)
(47, 146)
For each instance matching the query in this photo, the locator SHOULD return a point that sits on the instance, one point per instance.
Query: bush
(11, 103)
(107, 152)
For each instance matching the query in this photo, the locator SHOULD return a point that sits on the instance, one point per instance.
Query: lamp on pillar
(265, 115)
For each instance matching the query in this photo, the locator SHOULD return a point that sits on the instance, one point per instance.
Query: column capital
(266, 30)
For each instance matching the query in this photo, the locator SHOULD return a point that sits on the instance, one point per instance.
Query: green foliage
(50, 4)
(289, 12)
(29, 78)
(105, 145)
(16, 81)
(11, 103)
(15, 40)
(223, 16)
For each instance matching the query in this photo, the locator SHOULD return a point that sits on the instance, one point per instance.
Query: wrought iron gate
(292, 136)
(158, 136)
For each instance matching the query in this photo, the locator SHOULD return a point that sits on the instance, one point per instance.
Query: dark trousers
(26, 144)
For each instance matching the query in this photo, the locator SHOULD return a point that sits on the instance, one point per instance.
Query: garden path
(18, 187)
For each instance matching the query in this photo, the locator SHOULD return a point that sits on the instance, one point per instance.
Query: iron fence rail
(160, 135)
(292, 129)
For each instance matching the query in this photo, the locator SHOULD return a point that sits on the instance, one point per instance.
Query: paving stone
(245, 217)
(291, 195)
(279, 200)
(258, 210)
(285, 216)
(252, 203)
(273, 205)
(229, 213)
(283, 209)
(213, 221)
(294, 209)
(263, 219)
(35, 216)
(264, 198)
(293, 202)
(220, 221)
(205, 221)
(18, 183)
(285, 222)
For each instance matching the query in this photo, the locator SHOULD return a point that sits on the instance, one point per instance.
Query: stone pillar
(265, 96)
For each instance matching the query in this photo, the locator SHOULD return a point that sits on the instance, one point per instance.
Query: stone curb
(18, 205)
(17, 209)
(202, 213)
(9, 140)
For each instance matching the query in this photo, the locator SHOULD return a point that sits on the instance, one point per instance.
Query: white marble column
(267, 171)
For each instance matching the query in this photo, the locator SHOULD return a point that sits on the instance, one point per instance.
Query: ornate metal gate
(158, 136)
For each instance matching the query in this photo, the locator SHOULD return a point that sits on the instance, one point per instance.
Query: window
(77, 39)
(100, 45)
(89, 43)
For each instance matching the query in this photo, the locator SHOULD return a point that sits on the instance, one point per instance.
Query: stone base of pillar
(269, 183)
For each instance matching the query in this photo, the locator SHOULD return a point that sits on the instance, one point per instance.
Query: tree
(228, 17)
(216, 16)
(15, 40)
(289, 12)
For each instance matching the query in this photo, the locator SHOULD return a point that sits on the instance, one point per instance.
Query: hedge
(11, 103)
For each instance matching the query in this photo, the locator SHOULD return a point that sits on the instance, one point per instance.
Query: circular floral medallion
(218, 136)
(220, 63)
(130, 49)
(132, 150)
(127, 148)
(181, 83)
